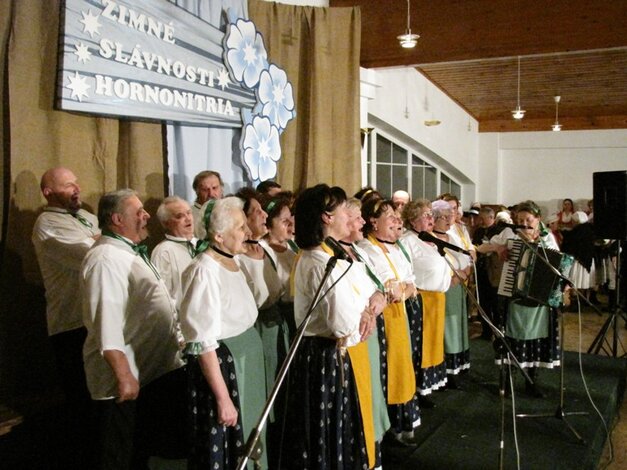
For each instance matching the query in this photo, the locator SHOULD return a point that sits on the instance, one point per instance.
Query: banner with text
(146, 59)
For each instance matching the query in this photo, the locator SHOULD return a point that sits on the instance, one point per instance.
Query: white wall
(493, 167)
(547, 166)
(452, 145)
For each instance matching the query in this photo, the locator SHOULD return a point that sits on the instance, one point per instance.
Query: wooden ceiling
(469, 48)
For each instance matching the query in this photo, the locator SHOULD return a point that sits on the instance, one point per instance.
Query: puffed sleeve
(201, 308)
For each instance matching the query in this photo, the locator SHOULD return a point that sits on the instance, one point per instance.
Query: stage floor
(463, 431)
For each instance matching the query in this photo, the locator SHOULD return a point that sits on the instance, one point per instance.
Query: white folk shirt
(171, 257)
(284, 261)
(431, 271)
(217, 303)
(459, 260)
(338, 314)
(126, 308)
(385, 273)
(262, 277)
(61, 242)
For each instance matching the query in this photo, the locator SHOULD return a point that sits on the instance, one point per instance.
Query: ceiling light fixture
(408, 40)
(518, 113)
(557, 126)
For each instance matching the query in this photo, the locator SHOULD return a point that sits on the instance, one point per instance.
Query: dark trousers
(68, 352)
(76, 429)
(488, 300)
(154, 424)
(116, 429)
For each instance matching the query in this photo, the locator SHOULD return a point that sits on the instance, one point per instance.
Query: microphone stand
(560, 412)
(500, 337)
(253, 449)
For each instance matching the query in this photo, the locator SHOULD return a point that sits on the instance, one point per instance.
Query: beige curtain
(319, 49)
(105, 154)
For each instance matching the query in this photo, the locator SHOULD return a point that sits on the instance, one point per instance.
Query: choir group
(180, 349)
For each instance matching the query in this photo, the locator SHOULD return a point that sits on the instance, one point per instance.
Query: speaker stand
(611, 324)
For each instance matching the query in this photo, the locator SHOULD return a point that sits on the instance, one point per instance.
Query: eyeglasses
(427, 215)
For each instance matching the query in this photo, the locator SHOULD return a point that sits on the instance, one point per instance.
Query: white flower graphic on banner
(275, 95)
(246, 54)
(262, 148)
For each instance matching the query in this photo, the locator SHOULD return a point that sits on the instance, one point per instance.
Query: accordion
(526, 276)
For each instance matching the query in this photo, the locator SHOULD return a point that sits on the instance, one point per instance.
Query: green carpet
(463, 430)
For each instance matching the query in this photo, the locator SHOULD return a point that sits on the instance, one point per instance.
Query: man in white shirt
(131, 335)
(62, 235)
(174, 254)
(207, 185)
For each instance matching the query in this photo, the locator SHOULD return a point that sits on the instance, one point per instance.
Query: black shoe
(425, 402)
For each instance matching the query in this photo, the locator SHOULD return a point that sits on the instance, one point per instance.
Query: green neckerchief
(201, 246)
(400, 245)
(141, 250)
(191, 248)
(76, 215)
(293, 246)
(82, 219)
(369, 271)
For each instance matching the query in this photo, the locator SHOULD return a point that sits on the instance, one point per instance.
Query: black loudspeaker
(610, 204)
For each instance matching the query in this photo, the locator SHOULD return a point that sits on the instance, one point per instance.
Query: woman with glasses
(395, 271)
(432, 279)
(456, 343)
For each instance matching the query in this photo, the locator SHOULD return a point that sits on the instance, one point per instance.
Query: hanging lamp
(408, 40)
(518, 113)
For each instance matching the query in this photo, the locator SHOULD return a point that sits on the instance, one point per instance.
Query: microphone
(441, 244)
(338, 251)
(515, 226)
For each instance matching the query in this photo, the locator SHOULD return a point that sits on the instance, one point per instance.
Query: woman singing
(324, 425)
(224, 351)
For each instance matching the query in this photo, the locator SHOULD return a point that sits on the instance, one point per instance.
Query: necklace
(220, 252)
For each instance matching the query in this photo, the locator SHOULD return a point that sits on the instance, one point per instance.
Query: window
(391, 167)
(447, 185)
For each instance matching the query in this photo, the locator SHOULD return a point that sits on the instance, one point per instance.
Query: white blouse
(263, 279)
(217, 303)
(379, 259)
(431, 271)
(284, 261)
(339, 312)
